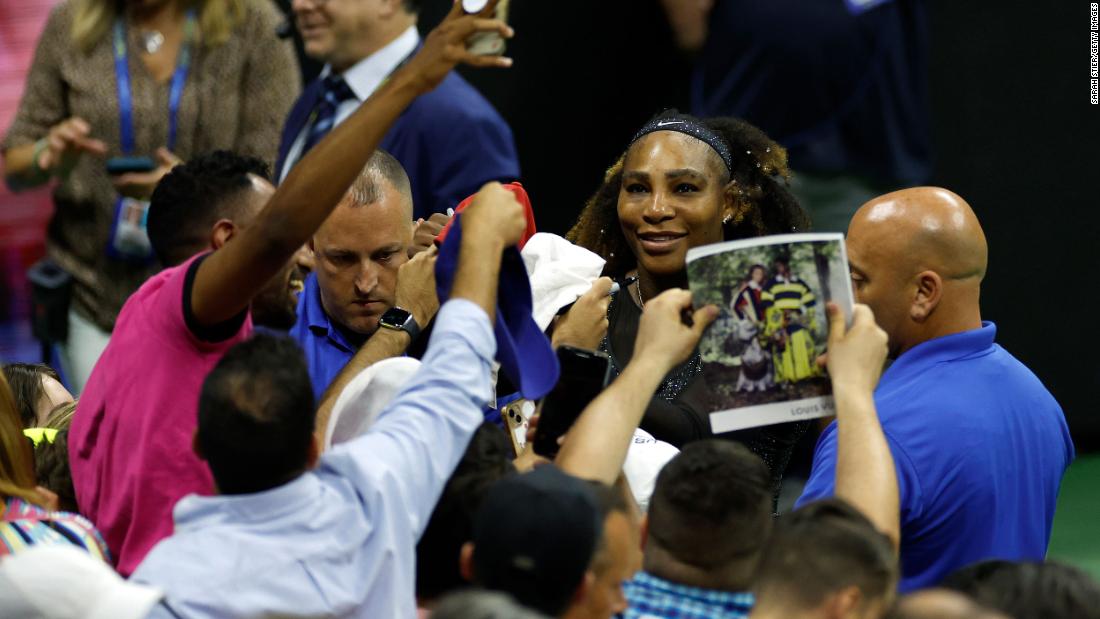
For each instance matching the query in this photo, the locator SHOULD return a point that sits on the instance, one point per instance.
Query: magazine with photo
(759, 357)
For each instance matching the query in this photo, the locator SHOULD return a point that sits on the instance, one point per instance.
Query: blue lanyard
(125, 95)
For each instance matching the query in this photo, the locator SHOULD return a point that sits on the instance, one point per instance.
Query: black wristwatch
(400, 320)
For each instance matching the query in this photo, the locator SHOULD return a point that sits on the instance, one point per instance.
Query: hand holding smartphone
(126, 165)
(486, 43)
(584, 374)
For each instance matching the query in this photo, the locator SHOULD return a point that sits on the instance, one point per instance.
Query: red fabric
(521, 195)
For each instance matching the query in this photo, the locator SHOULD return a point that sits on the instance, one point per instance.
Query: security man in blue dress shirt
(354, 288)
(979, 443)
(450, 141)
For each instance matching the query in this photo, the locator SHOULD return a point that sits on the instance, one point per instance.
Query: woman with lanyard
(685, 182)
(118, 93)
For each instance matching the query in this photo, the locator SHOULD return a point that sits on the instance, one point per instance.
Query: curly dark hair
(757, 181)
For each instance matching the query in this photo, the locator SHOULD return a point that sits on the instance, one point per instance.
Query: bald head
(918, 257)
(928, 228)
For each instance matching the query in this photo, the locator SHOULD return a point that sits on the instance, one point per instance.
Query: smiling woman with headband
(685, 182)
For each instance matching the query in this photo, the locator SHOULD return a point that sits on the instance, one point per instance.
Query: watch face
(395, 317)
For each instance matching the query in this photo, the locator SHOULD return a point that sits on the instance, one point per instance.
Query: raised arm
(227, 281)
(414, 445)
(865, 474)
(595, 447)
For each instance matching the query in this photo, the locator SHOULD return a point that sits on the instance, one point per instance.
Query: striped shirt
(655, 598)
(23, 525)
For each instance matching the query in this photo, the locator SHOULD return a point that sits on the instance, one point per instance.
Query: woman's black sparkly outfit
(678, 413)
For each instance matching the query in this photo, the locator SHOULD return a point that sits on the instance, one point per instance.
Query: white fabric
(560, 272)
(365, 396)
(644, 461)
(80, 352)
(364, 77)
(62, 582)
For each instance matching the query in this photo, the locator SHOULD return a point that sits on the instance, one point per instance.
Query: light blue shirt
(339, 540)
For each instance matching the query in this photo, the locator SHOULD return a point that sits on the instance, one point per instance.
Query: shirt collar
(706, 596)
(194, 511)
(947, 348)
(365, 76)
(312, 311)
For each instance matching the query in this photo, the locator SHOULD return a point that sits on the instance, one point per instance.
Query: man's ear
(843, 604)
(389, 8)
(314, 453)
(195, 447)
(466, 563)
(928, 294)
(584, 589)
(220, 234)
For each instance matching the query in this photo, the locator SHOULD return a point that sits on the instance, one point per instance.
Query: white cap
(644, 461)
(58, 581)
(365, 396)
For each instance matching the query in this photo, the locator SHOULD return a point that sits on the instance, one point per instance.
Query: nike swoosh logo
(666, 123)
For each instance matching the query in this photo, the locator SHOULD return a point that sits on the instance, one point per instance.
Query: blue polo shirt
(979, 445)
(327, 349)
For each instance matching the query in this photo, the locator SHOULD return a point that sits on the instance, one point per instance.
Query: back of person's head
(478, 604)
(194, 196)
(16, 457)
(534, 538)
(487, 459)
(256, 416)
(381, 172)
(710, 516)
(25, 381)
(616, 559)
(1027, 590)
(826, 554)
(51, 467)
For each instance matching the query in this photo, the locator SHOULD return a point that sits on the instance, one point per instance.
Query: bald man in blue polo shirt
(979, 444)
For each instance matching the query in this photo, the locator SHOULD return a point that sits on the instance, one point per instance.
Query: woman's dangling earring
(727, 219)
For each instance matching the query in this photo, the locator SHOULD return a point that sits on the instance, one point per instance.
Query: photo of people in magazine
(760, 355)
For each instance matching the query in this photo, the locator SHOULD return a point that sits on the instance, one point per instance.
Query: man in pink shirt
(130, 443)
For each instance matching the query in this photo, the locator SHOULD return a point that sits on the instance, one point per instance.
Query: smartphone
(584, 374)
(515, 417)
(124, 165)
(486, 43)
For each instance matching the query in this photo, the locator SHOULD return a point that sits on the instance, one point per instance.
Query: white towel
(559, 271)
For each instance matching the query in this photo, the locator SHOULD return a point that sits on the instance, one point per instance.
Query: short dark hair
(1029, 589)
(381, 165)
(487, 459)
(820, 549)
(256, 415)
(609, 500)
(191, 198)
(25, 380)
(711, 505)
